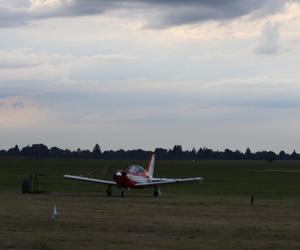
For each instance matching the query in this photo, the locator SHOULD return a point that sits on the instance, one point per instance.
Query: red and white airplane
(135, 177)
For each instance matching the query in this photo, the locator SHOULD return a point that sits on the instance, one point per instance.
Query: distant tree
(177, 149)
(25, 151)
(271, 156)
(57, 152)
(109, 154)
(283, 155)
(15, 151)
(36, 150)
(208, 153)
(248, 154)
(262, 155)
(238, 155)
(194, 153)
(85, 154)
(200, 153)
(97, 151)
(294, 156)
(228, 154)
(161, 153)
(67, 153)
(177, 152)
(41, 150)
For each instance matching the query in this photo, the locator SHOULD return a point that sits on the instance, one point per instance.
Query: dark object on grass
(252, 199)
(26, 186)
(35, 179)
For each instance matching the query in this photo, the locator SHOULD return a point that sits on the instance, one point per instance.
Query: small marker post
(252, 199)
(53, 213)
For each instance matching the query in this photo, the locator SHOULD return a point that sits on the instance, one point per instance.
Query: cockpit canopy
(136, 169)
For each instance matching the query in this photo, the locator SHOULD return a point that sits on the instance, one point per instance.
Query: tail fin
(150, 168)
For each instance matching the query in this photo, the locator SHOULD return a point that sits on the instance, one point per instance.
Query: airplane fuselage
(129, 178)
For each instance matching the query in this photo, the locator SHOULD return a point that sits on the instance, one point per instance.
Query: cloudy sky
(150, 73)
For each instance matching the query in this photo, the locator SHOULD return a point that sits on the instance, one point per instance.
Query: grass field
(215, 214)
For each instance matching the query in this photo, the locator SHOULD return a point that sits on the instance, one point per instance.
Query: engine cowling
(120, 177)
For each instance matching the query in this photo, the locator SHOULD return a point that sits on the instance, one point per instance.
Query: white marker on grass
(53, 213)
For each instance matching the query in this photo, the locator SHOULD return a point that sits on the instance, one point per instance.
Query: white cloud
(269, 41)
(34, 71)
(19, 112)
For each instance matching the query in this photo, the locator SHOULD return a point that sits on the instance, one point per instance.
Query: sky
(150, 73)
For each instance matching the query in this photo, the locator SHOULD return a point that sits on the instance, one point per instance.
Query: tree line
(42, 151)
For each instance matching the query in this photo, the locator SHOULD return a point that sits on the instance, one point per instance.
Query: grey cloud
(10, 16)
(200, 11)
(158, 14)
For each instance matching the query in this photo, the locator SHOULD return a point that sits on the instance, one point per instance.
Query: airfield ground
(213, 215)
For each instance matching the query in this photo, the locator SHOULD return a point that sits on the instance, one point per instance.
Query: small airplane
(135, 177)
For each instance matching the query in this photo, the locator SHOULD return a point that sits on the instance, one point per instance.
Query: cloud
(26, 69)
(156, 14)
(23, 58)
(193, 12)
(269, 40)
(17, 112)
(17, 59)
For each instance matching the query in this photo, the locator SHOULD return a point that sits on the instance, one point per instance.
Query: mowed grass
(215, 214)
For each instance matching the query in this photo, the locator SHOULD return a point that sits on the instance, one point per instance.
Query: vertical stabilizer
(150, 168)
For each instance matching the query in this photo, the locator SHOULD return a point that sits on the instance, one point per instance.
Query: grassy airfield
(213, 215)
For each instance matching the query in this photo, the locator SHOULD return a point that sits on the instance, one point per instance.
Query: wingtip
(201, 179)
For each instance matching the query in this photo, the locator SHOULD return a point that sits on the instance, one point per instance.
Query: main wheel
(156, 192)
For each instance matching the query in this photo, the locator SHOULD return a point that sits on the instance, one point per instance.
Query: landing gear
(156, 192)
(108, 191)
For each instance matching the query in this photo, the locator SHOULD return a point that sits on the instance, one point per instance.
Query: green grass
(215, 214)
(267, 180)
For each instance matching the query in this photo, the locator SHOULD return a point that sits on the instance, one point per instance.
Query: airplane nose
(119, 174)
(120, 178)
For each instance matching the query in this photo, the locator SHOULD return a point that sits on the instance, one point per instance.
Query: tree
(36, 150)
(283, 155)
(248, 154)
(57, 152)
(194, 152)
(294, 156)
(271, 156)
(161, 153)
(177, 151)
(14, 151)
(97, 151)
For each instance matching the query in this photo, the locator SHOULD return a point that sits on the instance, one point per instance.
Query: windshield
(135, 169)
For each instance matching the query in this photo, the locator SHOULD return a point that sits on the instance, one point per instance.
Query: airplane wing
(164, 181)
(92, 180)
